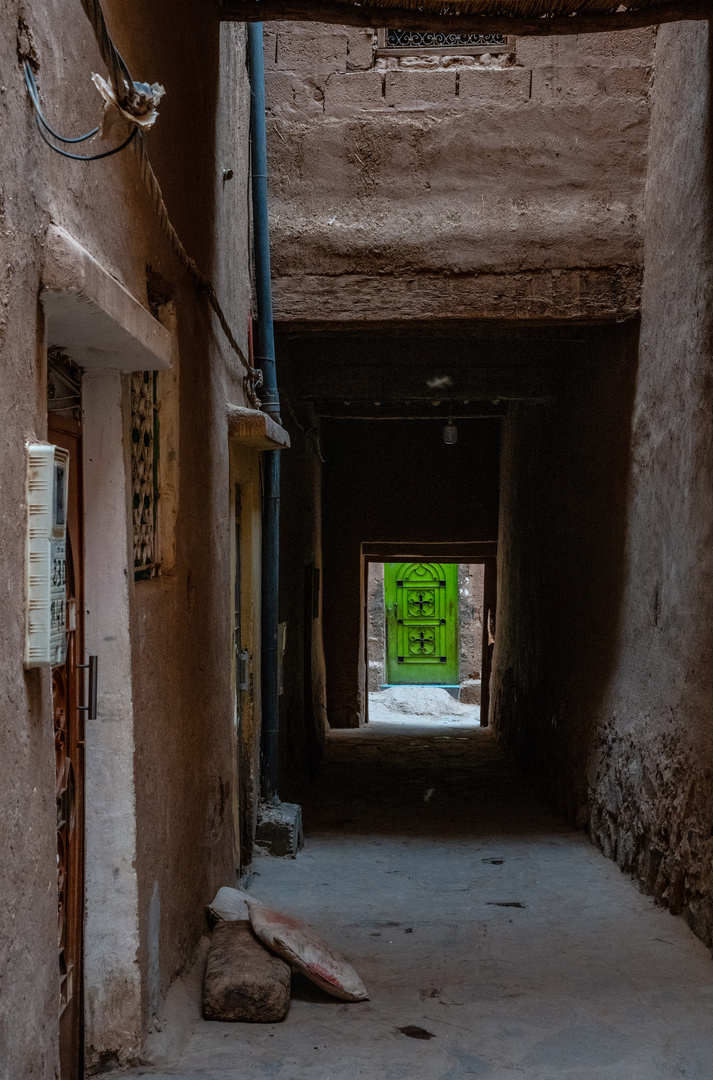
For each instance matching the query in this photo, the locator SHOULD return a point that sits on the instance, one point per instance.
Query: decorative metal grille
(144, 472)
(422, 604)
(413, 39)
(422, 642)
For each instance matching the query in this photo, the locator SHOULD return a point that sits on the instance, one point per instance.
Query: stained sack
(229, 905)
(295, 942)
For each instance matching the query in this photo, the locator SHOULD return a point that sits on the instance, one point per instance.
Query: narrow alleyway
(495, 940)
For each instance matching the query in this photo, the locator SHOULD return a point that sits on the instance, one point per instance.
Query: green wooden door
(421, 623)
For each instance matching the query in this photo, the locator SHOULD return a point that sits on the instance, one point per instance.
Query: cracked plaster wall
(180, 624)
(604, 676)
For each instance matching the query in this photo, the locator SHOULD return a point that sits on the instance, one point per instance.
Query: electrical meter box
(46, 559)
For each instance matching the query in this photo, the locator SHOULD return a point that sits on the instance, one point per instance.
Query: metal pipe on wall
(270, 735)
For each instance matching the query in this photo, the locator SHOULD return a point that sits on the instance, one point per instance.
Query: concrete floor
(478, 921)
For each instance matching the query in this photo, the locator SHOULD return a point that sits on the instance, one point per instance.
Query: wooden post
(490, 584)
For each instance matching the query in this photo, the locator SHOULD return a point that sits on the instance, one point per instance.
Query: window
(144, 473)
(418, 43)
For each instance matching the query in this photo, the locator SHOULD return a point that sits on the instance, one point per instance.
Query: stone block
(553, 84)
(585, 84)
(502, 86)
(360, 49)
(312, 53)
(269, 50)
(353, 92)
(634, 82)
(535, 51)
(279, 828)
(244, 980)
(622, 46)
(288, 94)
(376, 674)
(470, 692)
(531, 52)
(413, 88)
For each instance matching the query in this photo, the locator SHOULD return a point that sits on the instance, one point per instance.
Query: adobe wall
(561, 551)
(628, 748)
(183, 620)
(471, 579)
(650, 776)
(433, 187)
(180, 624)
(376, 627)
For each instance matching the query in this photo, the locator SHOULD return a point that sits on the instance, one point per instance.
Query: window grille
(417, 42)
(144, 473)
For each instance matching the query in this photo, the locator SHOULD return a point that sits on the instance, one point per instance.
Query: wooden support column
(490, 588)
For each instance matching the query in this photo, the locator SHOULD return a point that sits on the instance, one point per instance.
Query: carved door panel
(68, 720)
(421, 623)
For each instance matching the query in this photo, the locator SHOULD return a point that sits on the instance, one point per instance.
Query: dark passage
(495, 941)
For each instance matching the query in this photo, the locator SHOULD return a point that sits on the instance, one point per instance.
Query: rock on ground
(243, 979)
(470, 692)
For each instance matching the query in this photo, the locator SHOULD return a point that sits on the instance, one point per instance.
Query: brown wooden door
(67, 695)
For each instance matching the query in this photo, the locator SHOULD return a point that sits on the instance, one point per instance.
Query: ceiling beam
(321, 382)
(463, 551)
(360, 413)
(399, 17)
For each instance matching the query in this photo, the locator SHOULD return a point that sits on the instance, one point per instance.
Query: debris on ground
(414, 1032)
(244, 980)
(419, 701)
(297, 943)
(240, 985)
(229, 905)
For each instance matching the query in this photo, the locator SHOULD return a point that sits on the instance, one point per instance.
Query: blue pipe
(270, 732)
(261, 225)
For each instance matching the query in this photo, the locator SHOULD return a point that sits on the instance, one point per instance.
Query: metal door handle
(243, 659)
(91, 706)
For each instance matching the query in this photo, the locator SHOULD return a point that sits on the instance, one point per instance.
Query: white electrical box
(46, 560)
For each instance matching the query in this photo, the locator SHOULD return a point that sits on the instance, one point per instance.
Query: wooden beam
(463, 551)
(359, 412)
(255, 429)
(349, 14)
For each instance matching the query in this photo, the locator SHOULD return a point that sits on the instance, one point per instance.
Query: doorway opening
(429, 638)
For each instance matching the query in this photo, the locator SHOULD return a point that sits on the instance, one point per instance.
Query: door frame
(67, 432)
(478, 551)
(244, 479)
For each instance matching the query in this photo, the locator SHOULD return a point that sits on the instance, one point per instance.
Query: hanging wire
(123, 85)
(128, 94)
(43, 126)
(307, 432)
(35, 95)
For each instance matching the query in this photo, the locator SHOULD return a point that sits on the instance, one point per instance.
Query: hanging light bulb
(450, 433)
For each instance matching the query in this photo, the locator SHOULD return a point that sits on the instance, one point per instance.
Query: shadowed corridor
(495, 940)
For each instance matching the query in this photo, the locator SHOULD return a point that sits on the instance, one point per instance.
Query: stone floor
(495, 941)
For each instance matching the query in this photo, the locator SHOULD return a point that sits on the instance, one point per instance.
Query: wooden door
(421, 623)
(67, 695)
